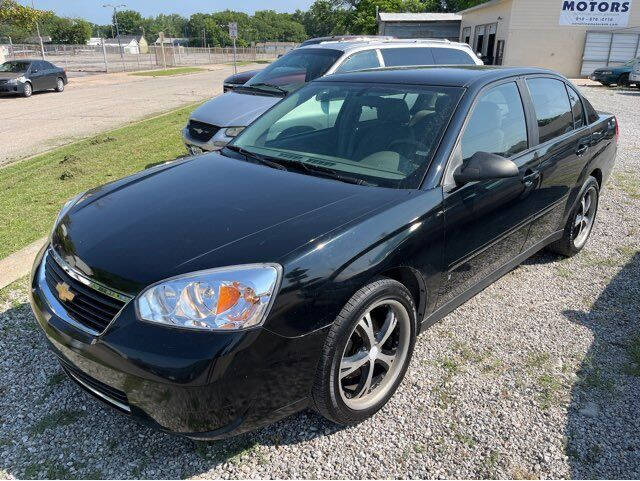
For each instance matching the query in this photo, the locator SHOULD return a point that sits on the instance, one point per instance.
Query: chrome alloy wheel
(374, 355)
(584, 217)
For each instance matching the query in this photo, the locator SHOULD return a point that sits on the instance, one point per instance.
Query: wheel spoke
(353, 363)
(367, 383)
(389, 325)
(367, 326)
(587, 204)
(385, 359)
(582, 206)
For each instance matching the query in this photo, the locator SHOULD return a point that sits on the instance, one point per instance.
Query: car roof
(453, 76)
(359, 43)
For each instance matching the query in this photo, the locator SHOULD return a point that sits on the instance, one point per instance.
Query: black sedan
(24, 77)
(237, 79)
(296, 267)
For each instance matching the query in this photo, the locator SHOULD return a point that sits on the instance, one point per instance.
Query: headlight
(66, 208)
(15, 81)
(228, 298)
(233, 131)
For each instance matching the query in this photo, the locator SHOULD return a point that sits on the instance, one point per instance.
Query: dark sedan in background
(23, 77)
(236, 80)
(296, 267)
(618, 75)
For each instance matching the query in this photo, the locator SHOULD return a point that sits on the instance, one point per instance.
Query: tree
(322, 19)
(360, 15)
(457, 5)
(19, 16)
(70, 31)
(129, 22)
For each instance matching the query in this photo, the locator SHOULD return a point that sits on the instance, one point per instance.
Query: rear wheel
(59, 85)
(623, 80)
(27, 90)
(580, 223)
(366, 353)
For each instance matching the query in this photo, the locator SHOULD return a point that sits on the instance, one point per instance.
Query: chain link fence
(112, 58)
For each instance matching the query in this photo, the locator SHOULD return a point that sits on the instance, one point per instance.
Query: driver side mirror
(485, 166)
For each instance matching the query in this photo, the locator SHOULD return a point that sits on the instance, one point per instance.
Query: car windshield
(297, 67)
(383, 135)
(14, 67)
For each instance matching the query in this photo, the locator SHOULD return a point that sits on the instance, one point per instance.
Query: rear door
(51, 75)
(563, 139)
(407, 56)
(37, 76)
(486, 222)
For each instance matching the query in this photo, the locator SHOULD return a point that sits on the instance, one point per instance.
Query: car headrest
(393, 110)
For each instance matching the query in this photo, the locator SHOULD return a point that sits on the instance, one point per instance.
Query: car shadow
(603, 418)
(46, 417)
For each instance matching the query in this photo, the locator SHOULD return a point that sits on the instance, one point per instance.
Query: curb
(19, 263)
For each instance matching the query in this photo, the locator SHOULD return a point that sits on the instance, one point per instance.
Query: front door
(486, 223)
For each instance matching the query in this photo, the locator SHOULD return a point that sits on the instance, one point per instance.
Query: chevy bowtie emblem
(198, 131)
(64, 293)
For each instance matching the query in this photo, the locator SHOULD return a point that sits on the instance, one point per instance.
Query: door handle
(582, 149)
(530, 177)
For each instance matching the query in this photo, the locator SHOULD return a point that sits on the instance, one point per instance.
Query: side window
(576, 108)
(398, 57)
(552, 107)
(359, 61)
(497, 124)
(47, 65)
(592, 115)
(451, 56)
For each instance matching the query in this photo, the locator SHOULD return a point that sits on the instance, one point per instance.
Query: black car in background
(296, 267)
(236, 80)
(24, 77)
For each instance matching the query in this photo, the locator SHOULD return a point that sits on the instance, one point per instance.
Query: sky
(93, 11)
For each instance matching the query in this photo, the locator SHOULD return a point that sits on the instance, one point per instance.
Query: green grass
(56, 419)
(168, 72)
(32, 191)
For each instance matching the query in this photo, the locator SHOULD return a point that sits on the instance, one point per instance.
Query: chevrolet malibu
(208, 298)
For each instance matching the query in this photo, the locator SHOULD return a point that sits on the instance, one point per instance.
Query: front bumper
(634, 77)
(194, 146)
(604, 78)
(202, 385)
(9, 89)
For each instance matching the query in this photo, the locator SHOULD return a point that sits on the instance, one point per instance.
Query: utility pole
(115, 20)
(39, 37)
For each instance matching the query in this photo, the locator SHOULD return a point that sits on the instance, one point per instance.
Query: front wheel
(27, 90)
(366, 353)
(623, 80)
(59, 85)
(580, 223)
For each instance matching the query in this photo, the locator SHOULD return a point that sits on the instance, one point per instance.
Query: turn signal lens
(218, 299)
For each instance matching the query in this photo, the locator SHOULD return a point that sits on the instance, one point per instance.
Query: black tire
(27, 90)
(606, 84)
(328, 392)
(59, 85)
(568, 245)
(623, 80)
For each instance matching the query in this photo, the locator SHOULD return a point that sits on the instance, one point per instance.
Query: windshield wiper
(323, 172)
(266, 86)
(258, 157)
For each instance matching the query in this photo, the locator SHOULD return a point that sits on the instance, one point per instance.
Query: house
(172, 41)
(420, 25)
(572, 37)
(130, 44)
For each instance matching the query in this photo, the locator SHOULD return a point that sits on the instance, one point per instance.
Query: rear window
(551, 103)
(297, 67)
(451, 56)
(406, 56)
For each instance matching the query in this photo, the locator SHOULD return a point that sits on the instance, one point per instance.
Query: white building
(572, 37)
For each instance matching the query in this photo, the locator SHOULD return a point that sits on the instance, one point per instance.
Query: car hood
(204, 212)
(234, 109)
(241, 77)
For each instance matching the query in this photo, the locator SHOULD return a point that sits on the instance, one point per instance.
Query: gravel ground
(534, 377)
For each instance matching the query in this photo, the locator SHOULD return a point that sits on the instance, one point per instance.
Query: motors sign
(595, 13)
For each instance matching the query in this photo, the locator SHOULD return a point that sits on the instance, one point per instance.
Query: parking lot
(537, 376)
(97, 103)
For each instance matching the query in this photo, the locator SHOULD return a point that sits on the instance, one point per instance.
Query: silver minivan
(212, 125)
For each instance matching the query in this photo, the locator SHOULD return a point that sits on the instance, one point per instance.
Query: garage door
(607, 48)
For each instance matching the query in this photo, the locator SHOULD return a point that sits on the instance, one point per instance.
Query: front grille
(114, 396)
(88, 307)
(201, 131)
